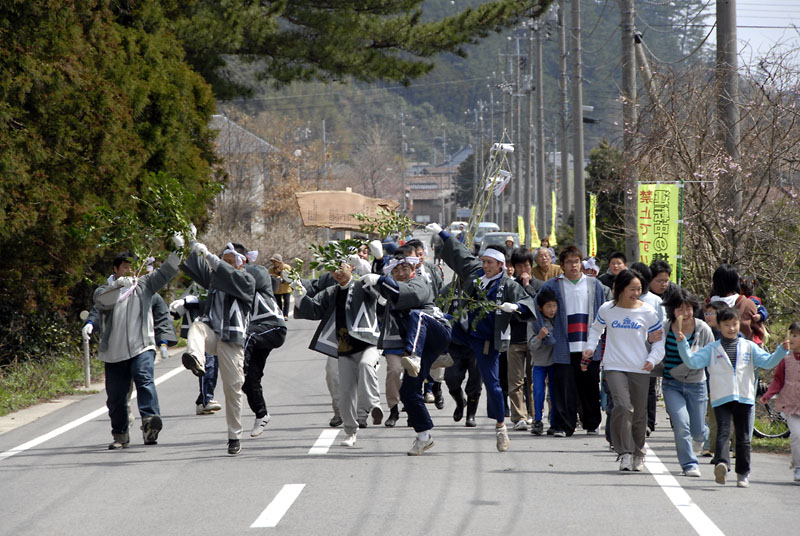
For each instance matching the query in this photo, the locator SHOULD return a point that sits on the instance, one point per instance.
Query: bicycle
(769, 422)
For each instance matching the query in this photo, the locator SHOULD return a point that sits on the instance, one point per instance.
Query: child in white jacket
(731, 363)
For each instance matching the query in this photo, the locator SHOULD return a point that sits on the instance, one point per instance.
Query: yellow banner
(592, 225)
(534, 235)
(657, 216)
(552, 239)
(521, 230)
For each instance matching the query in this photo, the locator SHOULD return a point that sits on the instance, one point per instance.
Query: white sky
(763, 24)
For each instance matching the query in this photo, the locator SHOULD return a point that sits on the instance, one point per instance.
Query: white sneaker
(429, 398)
(202, 410)
(411, 364)
(502, 438)
(259, 424)
(693, 472)
(742, 481)
(213, 405)
(797, 475)
(625, 462)
(638, 464)
(420, 446)
(443, 361)
(349, 441)
(521, 425)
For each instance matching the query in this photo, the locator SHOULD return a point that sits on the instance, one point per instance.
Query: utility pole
(563, 85)
(541, 194)
(403, 157)
(629, 118)
(325, 170)
(519, 190)
(530, 189)
(475, 168)
(727, 104)
(577, 126)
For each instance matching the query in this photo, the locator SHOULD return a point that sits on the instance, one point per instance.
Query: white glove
(178, 240)
(354, 260)
(191, 299)
(200, 249)
(126, 281)
(193, 230)
(370, 279)
(212, 260)
(381, 301)
(87, 330)
(299, 291)
(285, 277)
(435, 228)
(509, 307)
(177, 307)
(376, 249)
(164, 351)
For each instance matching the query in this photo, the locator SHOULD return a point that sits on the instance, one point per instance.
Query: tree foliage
(93, 100)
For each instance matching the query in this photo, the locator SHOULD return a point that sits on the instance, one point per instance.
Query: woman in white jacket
(627, 361)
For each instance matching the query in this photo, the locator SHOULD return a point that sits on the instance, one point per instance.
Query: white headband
(494, 254)
(413, 261)
(238, 256)
(591, 264)
(149, 264)
(252, 256)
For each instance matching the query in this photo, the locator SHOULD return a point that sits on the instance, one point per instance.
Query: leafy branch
(386, 223)
(331, 256)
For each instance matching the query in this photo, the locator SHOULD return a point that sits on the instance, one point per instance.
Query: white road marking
(699, 521)
(326, 439)
(77, 422)
(273, 513)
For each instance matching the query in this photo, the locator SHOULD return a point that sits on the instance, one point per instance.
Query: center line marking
(326, 439)
(273, 513)
(699, 521)
(77, 422)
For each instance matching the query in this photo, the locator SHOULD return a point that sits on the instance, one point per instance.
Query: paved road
(69, 483)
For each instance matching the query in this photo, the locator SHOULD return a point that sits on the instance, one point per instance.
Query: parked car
(483, 228)
(498, 239)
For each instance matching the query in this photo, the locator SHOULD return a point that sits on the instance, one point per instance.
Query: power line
(689, 55)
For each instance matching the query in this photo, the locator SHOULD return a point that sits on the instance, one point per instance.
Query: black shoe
(335, 421)
(234, 447)
(472, 409)
(458, 414)
(362, 422)
(151, 426)
(191, 363)
(551, 431)
(394, 414)
(438, 400)
(537, 428)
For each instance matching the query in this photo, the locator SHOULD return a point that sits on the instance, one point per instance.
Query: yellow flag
(534, 235)
(521, 230)
(592, 225)
(658, 209)
(552, 239)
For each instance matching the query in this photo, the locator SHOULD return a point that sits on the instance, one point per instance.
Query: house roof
(235, 139)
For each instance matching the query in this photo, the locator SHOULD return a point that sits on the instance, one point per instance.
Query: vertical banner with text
(534, 235)
(658, 220)
(521, 230)
(592, 225)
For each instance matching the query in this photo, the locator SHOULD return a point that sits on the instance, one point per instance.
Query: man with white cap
(590, 267)
(486, 279)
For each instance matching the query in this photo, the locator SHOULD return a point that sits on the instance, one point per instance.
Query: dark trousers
(569, 386)
(256, 351)
(209, 381)
(651, 403)
(283, 303)
(463, 364)
(502, 367)
(489, 366)
(436, 341)
(740, 414)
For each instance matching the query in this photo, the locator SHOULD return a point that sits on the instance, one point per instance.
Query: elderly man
(544, 268)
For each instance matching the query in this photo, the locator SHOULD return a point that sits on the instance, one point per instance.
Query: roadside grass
(776, 444)
(30, 382)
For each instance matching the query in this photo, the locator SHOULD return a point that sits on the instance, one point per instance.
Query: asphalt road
(57, 476)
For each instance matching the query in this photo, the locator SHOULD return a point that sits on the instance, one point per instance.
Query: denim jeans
(539, 375)
(686, 406)
(208, 382)
(118, 381)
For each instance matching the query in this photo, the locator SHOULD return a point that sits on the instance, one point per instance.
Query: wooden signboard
(335, 210)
